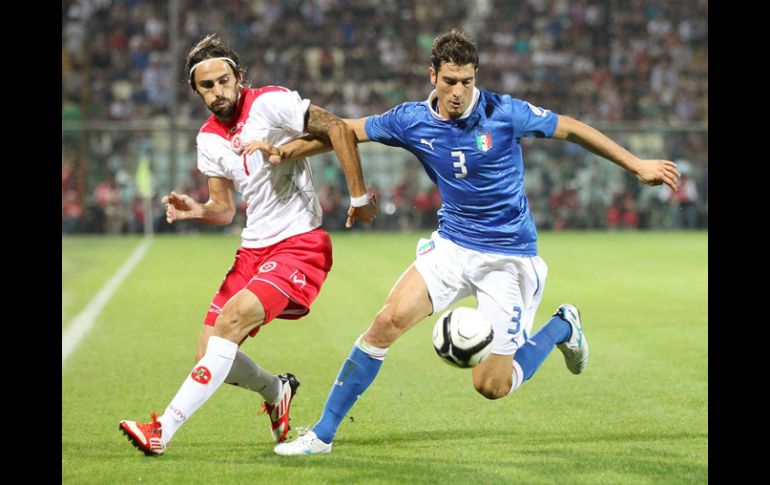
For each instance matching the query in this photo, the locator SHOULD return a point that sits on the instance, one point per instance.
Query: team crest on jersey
(234, 135)
(201, 375)
(483, 141)
(269, 266)
(425, 247)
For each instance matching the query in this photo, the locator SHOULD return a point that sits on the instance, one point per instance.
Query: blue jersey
(476, 163)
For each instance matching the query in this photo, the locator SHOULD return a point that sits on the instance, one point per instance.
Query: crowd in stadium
(602, 61)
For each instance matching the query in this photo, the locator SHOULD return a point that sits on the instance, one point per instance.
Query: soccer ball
(462, 337)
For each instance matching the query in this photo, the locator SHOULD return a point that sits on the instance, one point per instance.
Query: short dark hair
(455, 47)
(210, 47)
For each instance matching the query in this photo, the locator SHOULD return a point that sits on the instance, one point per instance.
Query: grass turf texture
(638, 414)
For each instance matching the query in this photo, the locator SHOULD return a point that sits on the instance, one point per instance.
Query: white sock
(206, 377)
(518, 377)
(247, 374)
(370, 349)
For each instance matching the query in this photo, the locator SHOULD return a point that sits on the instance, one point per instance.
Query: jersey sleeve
(207, 163)
(531, 121)
(388, 127)
(282, 109)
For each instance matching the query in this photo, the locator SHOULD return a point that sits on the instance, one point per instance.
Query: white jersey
(281, 201)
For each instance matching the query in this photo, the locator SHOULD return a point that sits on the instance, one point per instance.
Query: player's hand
(656, 172)
(365, 213)
(179, 207)
(272, 153)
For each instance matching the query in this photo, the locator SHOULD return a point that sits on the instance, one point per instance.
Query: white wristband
(359, 201)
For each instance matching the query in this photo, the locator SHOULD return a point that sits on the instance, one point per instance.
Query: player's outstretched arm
(304, 147)
(650, 172)
(294, 150)
(321, 123)
(218, 210)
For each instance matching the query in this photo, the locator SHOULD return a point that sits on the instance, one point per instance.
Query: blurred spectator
(622, 212)
(135, 220)
(564, 204)
(71, 212)
(334, 207)
(647, 55)
(109, 211)
(640, 61)
(404, 195)
(683, 201)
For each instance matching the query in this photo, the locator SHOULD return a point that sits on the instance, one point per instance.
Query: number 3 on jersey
(460, 164)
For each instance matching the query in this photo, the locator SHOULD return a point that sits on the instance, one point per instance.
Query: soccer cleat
(279, 411)
(145, 436)
(575, 348)
(307, 444)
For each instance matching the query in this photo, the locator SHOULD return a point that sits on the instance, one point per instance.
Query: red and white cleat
(145, 436)
(279, 410)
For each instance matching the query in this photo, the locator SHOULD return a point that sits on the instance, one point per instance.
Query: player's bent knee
(239, 316)
(385, 329)
(493, 377)
(233, 325)
(492, 387)
(226, 328)
(492, 390)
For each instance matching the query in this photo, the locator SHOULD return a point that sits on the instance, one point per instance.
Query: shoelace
(155, 423)
(266, 408)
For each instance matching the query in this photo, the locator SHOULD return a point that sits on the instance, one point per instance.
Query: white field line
(81, 324)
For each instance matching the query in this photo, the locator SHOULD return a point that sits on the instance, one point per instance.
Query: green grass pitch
(638, 414)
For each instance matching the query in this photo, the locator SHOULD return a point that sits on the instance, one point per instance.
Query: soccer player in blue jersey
(468, 141)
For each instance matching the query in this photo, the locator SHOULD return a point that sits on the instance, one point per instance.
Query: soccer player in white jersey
(468, 141)
(284, 257)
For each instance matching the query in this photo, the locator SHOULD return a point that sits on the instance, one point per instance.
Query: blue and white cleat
(307, 444)
(575, 348)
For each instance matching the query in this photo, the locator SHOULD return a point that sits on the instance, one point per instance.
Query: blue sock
(532, 354)
(358, 371)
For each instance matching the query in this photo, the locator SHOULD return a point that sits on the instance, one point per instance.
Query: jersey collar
(471, 106)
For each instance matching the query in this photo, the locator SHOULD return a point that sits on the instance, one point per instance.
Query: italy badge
(483, 141)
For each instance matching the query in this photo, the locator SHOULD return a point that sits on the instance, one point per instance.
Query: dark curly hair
(455, 47)
(210, 47)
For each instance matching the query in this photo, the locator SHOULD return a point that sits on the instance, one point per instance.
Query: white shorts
(508, 288)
